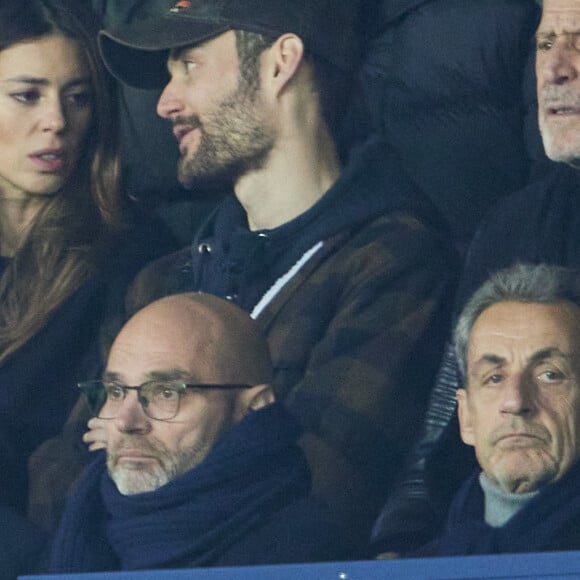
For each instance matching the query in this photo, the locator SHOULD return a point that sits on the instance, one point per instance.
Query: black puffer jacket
(442, 80)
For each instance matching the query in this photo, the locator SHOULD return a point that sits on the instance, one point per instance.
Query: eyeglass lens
(159, 400)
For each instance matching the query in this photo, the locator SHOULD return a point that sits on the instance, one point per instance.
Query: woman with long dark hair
(69, 242)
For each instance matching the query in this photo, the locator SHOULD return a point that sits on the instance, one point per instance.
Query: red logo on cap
(181, 5)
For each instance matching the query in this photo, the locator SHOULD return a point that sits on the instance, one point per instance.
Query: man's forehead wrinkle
(517, 329)
(560, 21)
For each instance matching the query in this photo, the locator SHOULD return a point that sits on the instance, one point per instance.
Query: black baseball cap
(136, 42)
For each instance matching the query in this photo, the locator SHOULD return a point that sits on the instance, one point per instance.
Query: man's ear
(281, 61)
(253, 399)
(464, 415)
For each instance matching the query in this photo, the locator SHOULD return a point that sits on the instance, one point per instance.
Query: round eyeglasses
(159, 399)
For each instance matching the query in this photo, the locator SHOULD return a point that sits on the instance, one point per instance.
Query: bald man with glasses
(201, 466)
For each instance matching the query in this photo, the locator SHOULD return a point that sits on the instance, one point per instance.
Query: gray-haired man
(538, 224)
(518, 347)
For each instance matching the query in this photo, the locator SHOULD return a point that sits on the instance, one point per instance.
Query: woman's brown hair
(63, 246)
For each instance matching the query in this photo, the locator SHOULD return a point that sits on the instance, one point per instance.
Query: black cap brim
(137, 56)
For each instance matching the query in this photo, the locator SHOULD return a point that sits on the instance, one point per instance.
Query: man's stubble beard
(151, 476)
(235, 139)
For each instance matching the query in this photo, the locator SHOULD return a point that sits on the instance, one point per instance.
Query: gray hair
(543, 284)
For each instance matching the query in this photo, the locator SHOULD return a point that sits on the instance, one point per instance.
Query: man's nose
(517, 395)
(558, 65)
(169, 103)
(131, 417)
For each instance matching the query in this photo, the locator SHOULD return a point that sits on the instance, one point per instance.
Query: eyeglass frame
(84, 386)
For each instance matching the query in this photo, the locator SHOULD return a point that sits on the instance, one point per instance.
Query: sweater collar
(501, 505)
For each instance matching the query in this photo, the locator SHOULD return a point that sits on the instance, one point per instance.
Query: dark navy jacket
(443, 81)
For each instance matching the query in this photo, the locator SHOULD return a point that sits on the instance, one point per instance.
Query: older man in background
(518, 346)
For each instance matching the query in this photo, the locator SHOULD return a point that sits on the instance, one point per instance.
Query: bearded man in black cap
(340, 260)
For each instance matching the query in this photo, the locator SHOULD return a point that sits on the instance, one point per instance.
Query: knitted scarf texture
(534, 528)
(251, 473)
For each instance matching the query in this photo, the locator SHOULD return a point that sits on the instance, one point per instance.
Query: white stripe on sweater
(283, 280)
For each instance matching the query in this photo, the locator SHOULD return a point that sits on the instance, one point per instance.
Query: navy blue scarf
(537, 527)
(251, 473)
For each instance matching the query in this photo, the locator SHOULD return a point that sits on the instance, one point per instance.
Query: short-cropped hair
(526, 283)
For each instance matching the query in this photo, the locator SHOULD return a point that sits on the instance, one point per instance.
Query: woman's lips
(48, 160)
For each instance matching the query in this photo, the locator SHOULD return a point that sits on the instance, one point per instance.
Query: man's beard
(148, 476)
(560, 137)
(234, 140)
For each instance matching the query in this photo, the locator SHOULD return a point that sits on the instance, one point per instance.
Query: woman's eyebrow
(39, 81)
(27, 80)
